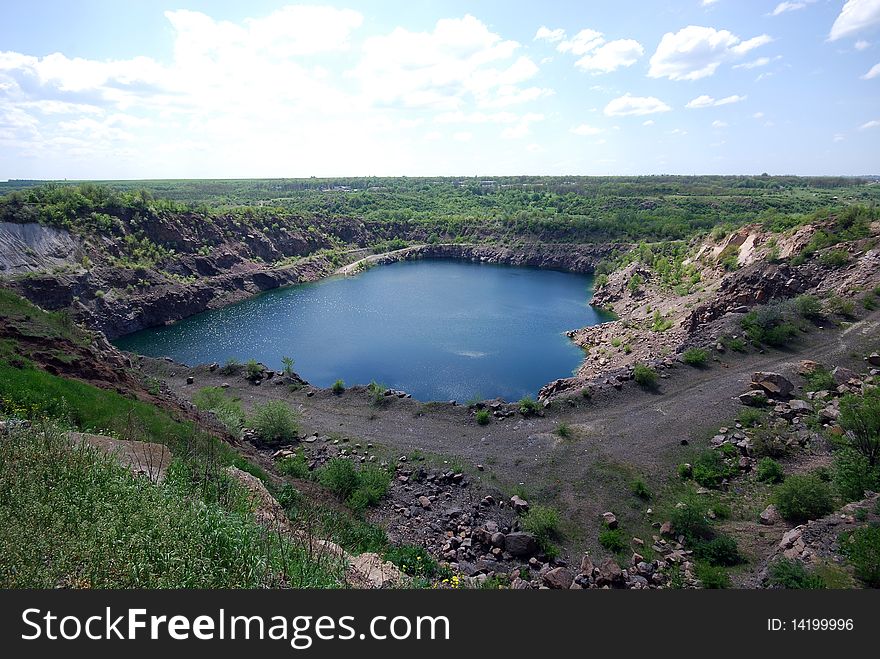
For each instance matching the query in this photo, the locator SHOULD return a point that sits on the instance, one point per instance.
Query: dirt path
(616, 434)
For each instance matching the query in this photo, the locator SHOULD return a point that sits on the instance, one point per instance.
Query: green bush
(711, 468)
(274, 422)
(340, 477)
(791, 574)
(645, 376)
(296, 466)
(377, 395)
(768, 442)
(613, 540)
(695, 357)
(359, 489)
(287, 362)
(564, 430)
(691, 519)
(860, 418)
(808, 306)
(483, 417)
(543, 523)
(770, 471)
(412, 560)
(228, 410)
(835, 258)
(640, 489)
(338, 387)
(802, 497)
(862, 548)
(820, 380)
(230, 367)
(750, 417)
(733, 343)
(528, 406)
(720, 550)
(253, 370)
(770, 324)
(712, 576)
(853, 474)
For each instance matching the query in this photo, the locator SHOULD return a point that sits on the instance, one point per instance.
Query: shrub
(819, 380)
(769, 324)
(721, 550)
(564, 430)
(296, 465)
(528, 406)
(230, 367)
(803, 497)
(808, 306)
(691, 519)
(836, 258)
(227, 409)
(768, 442)
(414, 561)
(734, 343)
(791, 574)
(770, 471)
(659, 323)
(853, 474)
(340, 477)
(751, 417)
(287, 362)
(862, 548)
(338, 387)
(640, 489)
(712, 576)
(377, 395)
(841, 307)
(483, 417)
(860, 418)
(645, 376)
(613, 540)
(253, 370)
(543, 523)
(711, 468)
(274, 422)
(635, 283)
(695, 357)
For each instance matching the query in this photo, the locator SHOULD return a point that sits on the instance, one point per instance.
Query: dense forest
(582, 209)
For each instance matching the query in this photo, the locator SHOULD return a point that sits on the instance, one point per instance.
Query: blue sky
(106, 89)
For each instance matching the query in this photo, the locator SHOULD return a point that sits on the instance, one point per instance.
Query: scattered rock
(520, 544)
(519, 504)
(610, 519)
(769, 516)
(772, 383)
(559, 578)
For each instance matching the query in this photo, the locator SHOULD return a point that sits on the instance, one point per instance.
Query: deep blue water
(437, 329)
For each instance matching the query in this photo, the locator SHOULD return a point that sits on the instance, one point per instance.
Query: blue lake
(437, 329)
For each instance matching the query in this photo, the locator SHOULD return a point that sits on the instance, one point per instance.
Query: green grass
(70, 516)
(644, 376)
(483, 417)
(695, 357)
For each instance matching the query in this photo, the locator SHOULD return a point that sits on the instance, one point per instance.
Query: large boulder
(559, 578)
(609, 573)
(775, 384)
(520, 544)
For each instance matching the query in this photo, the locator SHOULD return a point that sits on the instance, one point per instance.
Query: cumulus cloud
(874, 123)
(696, 52)
(635, 105)
(856, 16)
(719, 124)
(873, 73)
(861, 44)
(598, 55)
(544, 33)
(611, 56)
(705, 101)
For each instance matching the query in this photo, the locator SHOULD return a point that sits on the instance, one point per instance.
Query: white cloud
(856, 16)
(758, 115)
(600, 56)
(648, 122)
(611, 56)
(581, 43)
(874, 123)
(861, 44)
(677, 131)
(544, 33)
(522, 128)
(585, 129)
(873, 73)
(635, 105)
(719, 124)
(783, 7)
(706, 101)
(754, 64)
(838, 137)
(706, 3)
(463, 136)
(459, 61)
(696, 52)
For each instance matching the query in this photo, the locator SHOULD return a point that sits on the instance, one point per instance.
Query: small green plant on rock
(338, 387)
(695, 357)
(645, 376)
(483, 417)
